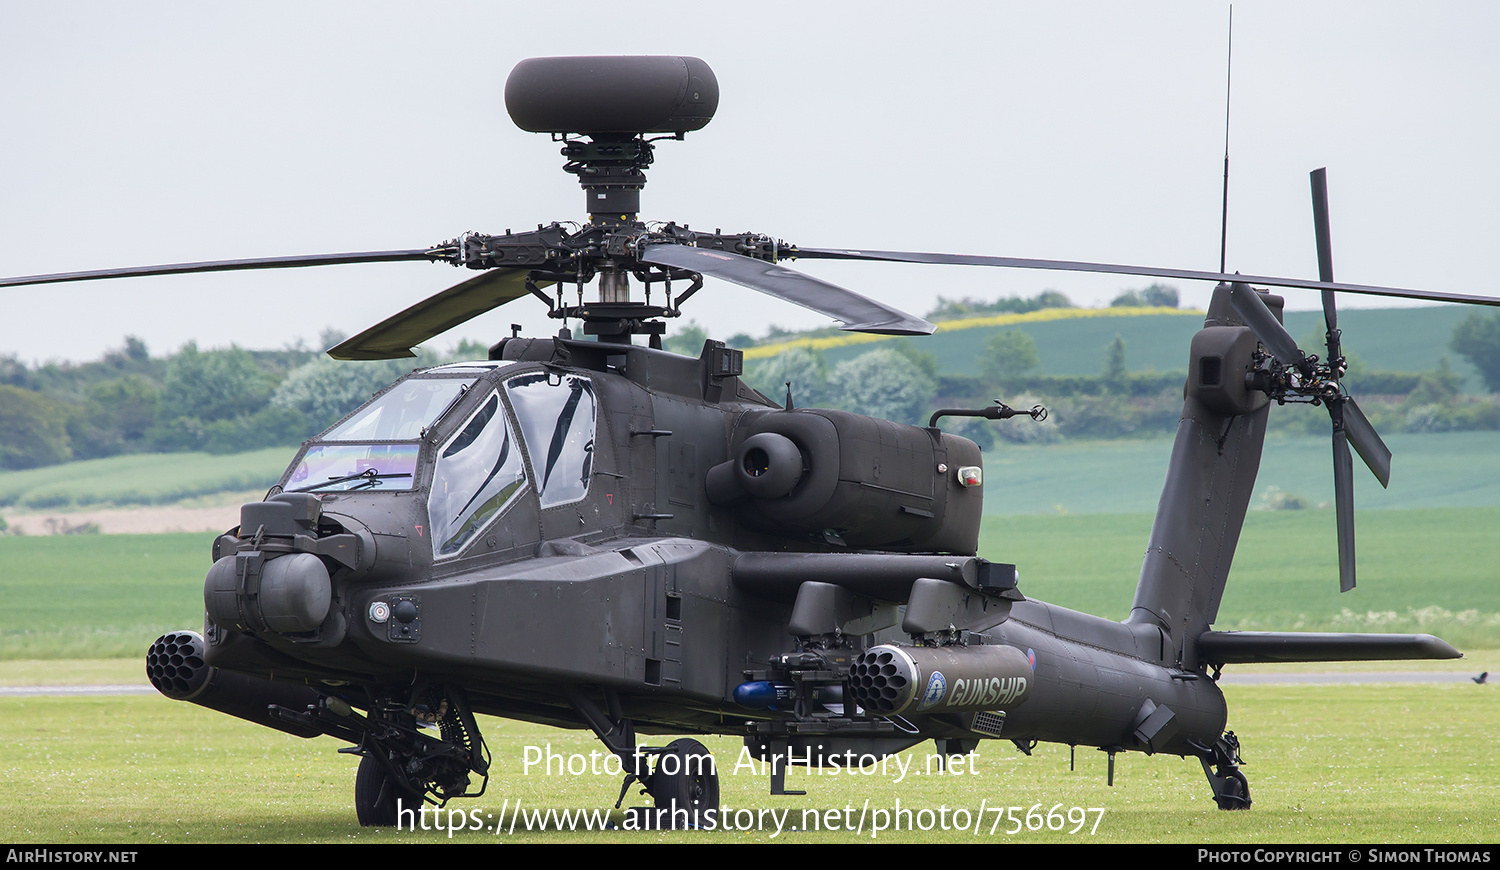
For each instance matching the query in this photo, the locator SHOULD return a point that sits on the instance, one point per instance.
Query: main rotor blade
(1319, 179)
(224, 266)
(1343, 501)
(859, 313)
(1367, 441)
(396, 336)
(1252, 309)
(1116, 269)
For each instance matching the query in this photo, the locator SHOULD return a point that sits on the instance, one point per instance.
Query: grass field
(98, 596)
(1327, 764)
(1420, 570)
(1433, 470)
(142, 478)
(1432, 571)
(1408, 763)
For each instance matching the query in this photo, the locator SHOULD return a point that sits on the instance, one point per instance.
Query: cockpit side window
(556, 414)
(478, 472)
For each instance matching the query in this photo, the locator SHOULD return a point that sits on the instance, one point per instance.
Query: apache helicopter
(594, 533)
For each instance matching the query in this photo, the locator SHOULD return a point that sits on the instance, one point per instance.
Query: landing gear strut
(683, 784)
(398, 760)
(1221, 765)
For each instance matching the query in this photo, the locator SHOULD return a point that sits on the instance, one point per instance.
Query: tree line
(230, 400)
(222, 401)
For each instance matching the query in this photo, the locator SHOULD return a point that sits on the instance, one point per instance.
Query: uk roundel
(1031, 658)
(937, 686)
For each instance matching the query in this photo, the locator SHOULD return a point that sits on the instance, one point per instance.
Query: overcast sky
(158, 132)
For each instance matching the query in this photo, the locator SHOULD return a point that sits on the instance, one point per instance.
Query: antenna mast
(1228, 73)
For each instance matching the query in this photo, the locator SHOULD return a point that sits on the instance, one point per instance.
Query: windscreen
(403, 412)
(327, 467)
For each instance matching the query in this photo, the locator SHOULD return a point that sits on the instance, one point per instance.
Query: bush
(118, 414)
(214, 385)
(952, 309)
(1276, 499)
(1477, 339)
(33, 429)
(885, 383)
(326, 389)
(805, 369)
(1009, 354)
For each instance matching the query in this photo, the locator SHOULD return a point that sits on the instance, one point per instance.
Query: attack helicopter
(590, 532)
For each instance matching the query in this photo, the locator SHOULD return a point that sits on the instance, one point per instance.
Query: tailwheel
(1234, 794)
(376, 793)
(685, 785)
(1221, 764)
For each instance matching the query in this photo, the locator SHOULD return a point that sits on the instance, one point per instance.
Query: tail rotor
(1287, 374)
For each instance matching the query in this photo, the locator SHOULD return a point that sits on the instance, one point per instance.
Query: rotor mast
(611, 169)
(603, 109)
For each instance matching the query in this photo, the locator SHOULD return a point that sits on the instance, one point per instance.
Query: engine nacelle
(871, 482)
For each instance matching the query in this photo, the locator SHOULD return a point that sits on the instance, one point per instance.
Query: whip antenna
(1228, 73)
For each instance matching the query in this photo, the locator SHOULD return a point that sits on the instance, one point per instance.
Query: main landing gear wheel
(376, 792)
(686, 785)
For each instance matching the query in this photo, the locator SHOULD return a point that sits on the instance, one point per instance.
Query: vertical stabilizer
(1210, 480)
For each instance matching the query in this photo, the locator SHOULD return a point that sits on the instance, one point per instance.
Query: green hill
(1385, 339)
(141, 478)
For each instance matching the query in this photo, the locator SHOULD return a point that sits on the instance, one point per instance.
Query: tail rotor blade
(1343, 499)
(1320, 225)
(1349, 423)
(1367, 441)
(1251, 309)
(1325, 257)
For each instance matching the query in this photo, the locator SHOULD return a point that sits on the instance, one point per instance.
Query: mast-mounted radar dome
(634, 95)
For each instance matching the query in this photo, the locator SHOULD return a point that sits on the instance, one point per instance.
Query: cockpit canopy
(475, 467)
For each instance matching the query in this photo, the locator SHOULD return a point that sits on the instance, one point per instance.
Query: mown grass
(141, 478)
(1327, 764)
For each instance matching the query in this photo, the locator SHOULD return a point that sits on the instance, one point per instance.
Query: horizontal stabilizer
(1261, 647)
